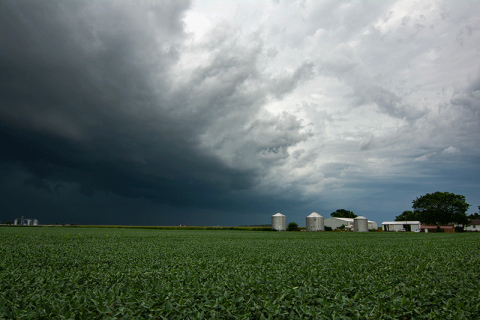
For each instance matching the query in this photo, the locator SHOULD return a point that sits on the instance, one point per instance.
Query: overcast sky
(226, 112)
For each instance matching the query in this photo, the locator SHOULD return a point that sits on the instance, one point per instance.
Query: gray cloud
(289, 107)
(469, 97)
(99, 105)
(366, 143)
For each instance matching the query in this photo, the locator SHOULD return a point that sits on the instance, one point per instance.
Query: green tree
(441, 208)
(407, 216)
(292, 226)
(342, 213)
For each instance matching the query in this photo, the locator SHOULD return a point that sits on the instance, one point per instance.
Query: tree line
(439, 208)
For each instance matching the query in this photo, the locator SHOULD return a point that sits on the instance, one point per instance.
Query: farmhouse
(401, 225)
(335, 222)
(473, 226)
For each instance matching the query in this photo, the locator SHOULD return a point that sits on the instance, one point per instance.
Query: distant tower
(35, 222)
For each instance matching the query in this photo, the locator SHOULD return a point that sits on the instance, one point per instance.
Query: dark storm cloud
(177, 109)
(89, 97)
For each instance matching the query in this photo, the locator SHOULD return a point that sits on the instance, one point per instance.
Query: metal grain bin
(315, 222)
(360, 224)
(279, 222)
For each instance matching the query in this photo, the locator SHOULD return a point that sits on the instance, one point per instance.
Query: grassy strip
(173, 227)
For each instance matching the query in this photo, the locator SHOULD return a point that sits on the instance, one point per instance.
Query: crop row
(179, 274)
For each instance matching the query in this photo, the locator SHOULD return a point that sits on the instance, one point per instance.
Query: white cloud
(425, 157)
(450, 150)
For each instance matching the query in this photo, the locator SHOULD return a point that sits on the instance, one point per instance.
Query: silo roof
(314, 215)
(278, 215)
(361, 217)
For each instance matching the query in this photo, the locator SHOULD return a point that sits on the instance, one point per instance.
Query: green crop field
(96, 273)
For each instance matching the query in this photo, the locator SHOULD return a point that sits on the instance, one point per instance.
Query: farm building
(401, 226)
(335, 222)
(473, 226)
(429, 229)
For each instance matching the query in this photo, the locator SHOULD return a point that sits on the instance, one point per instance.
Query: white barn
(401, 225)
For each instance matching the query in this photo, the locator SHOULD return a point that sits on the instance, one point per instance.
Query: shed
(446, 229)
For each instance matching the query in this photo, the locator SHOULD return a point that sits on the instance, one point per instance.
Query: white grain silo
(315, 222)
(279, 222)
(15, 222)
(360, 224)
(35, 222)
